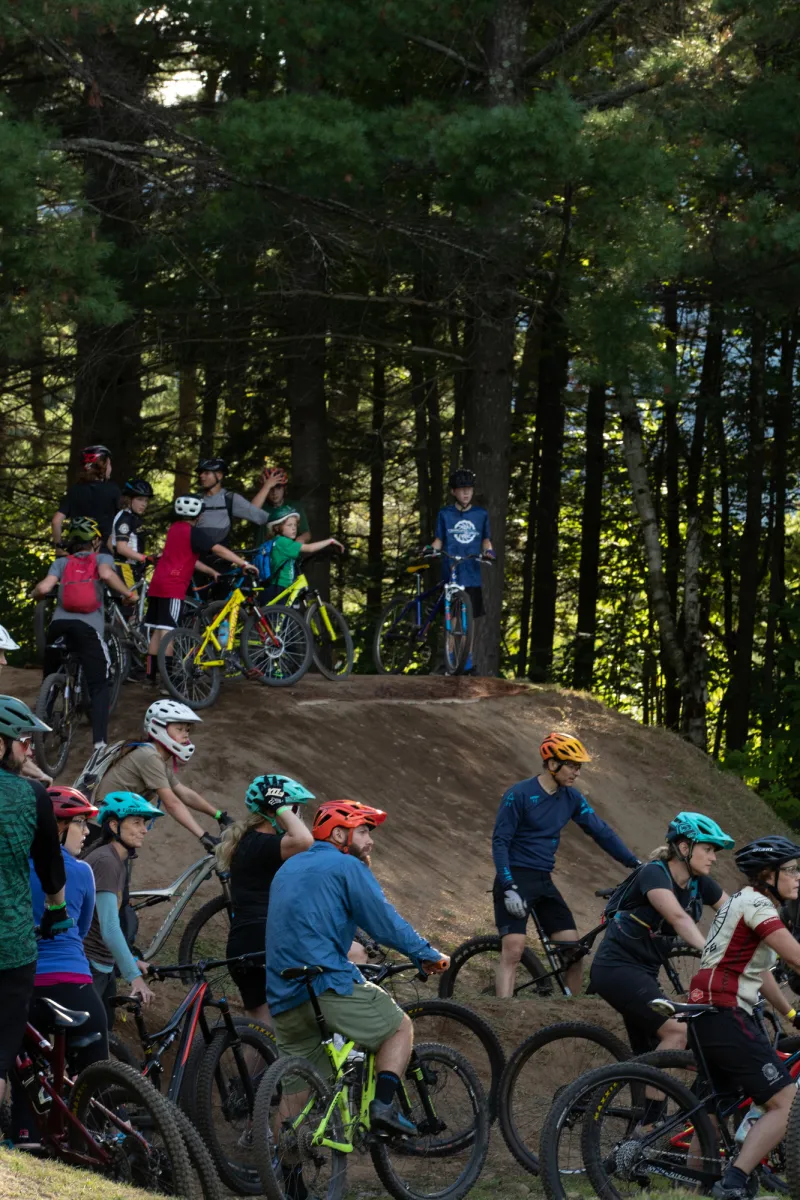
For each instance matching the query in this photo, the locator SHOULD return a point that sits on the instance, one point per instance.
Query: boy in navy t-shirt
(462, 528)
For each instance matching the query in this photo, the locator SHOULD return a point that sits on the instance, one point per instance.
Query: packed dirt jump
(437, 754)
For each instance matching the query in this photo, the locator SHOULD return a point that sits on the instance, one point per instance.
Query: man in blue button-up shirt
(317, 900)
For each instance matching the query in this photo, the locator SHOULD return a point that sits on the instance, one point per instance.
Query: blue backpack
(261, 559)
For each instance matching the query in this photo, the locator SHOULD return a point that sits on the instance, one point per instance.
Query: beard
(362, 856)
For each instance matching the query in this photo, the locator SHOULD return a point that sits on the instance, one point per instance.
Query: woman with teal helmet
(253, 851)
(124, 820)
(664, 898)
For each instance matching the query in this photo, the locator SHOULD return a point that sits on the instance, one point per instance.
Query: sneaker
(384, 1118)
(720, 1192)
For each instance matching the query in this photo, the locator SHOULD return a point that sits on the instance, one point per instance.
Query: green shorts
(367, 1017)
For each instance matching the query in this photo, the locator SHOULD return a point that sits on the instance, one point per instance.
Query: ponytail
(232, 836)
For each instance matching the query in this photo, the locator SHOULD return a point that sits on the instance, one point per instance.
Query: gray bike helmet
(17, 720)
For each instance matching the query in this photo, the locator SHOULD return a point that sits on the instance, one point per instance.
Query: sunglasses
(26, 740)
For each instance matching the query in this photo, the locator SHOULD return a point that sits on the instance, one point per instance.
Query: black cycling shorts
(740, 1056)
(538, 889)
(16, 988)
(629, 989)
(250, 977)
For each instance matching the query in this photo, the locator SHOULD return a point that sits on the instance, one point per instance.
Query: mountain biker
(526, 834)
(287, 549)
(27, 828)
(743, 945)
(184, 546)
(79, 616)
(93, 496)
(276, 498)
(30, 770)
(127, 540)
(253, 850)
(316, 902)
(124, 820)
(665, 899)
(221, 507)
(6, 643)
(150, 769)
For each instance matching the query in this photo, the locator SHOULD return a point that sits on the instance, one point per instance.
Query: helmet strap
(117, 837)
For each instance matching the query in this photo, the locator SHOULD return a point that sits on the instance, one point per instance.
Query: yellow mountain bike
(274, 648)
(332, 641)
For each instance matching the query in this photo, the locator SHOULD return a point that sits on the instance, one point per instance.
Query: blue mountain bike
(407, 635)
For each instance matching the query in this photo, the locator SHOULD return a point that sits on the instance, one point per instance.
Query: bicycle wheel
(621, 1164)
(458, 638)
(455, 1025)
(537, 1072)
(119, 668)
(206, 937)
(224, 1112)
(276, 645)
(472, 971)
(443, 1097)
(54, 707)
(792, 1148)
(205, 1180)
(397, 648)
(292, 1100)
(332, 648)
(195, 685)
(135, 1125)
(684, 962)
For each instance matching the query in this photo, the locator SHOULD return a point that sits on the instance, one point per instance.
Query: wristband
(283, 808)
(792, 1013)
(218, 814)
(56, 907)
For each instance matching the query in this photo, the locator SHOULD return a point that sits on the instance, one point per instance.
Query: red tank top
(174, 568)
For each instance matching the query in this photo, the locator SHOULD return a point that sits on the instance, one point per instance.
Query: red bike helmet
(68, 802)
(93, 454)
(344, 814)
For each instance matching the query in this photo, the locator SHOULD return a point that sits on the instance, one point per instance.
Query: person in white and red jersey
(743, 945)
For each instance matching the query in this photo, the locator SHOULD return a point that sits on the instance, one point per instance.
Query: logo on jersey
(770, 1072)
(464, 532)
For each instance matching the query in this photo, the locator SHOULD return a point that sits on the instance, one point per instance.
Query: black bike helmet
(138, 487)
(463, 477)
(212, 464)
(771, 851)
(93, 454)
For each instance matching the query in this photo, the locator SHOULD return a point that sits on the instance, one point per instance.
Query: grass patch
(24, 1177)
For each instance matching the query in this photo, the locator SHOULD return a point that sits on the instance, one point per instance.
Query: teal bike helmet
(256, 795)
(126, 804)
(695, 827)
(17, 720)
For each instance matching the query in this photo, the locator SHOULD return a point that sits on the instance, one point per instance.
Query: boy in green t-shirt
(286, 549)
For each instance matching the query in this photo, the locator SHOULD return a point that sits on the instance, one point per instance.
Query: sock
(152, 667)
(386, 1085)
(468, 663)
(734, 1177)
(653, 1111)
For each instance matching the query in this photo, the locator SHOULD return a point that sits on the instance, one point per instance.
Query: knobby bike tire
(118, 672)
(107, 1077)
(239, 1174)
(187, 947)
(43, 743)
(264, 1114)
(185, 642)
(524, 1153)
(269, 664)
(679, 955)
(319, 641)
(594, 1089)
(200, 1160)
(490, 944)
(394, 609)
(792, 1141)
(474, 1142)
(458, 643)
(480, 1028)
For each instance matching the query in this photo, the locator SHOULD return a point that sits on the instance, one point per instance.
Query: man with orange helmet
(316, 902)
(527, 831)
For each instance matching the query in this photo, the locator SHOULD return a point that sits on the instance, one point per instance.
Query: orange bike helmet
(68, 802)
(344, 814)
(565, 747)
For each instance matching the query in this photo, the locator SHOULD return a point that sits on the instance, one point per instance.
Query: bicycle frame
(180, 892)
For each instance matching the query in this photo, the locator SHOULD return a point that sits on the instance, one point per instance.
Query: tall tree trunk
(591, 526)
(377, 470)
(528, 555)
(782, 443)
(418, 401)
(37, 401)
(212, 390)
(187, 429)
(108, 393)
(553, 368)
(672, 523)
(308, 414)
(739, 691)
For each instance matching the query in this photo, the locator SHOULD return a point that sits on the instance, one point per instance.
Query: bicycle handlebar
(489, 562)
(377, 972)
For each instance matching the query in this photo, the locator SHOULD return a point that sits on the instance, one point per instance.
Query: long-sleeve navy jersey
(528, 827)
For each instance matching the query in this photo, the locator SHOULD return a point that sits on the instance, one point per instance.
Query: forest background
(375, 239)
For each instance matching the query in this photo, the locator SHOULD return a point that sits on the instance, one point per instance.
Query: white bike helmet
(188, 506)
(164, 713)
(6, 640)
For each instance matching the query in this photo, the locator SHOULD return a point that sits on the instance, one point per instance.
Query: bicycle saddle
(64, 1018)
(413, 570)
(672, 1008)
(301, 972)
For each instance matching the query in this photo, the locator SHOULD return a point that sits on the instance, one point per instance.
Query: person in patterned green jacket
(28, 830)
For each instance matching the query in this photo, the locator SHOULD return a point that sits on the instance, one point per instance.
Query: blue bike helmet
(695, 827)
(126, 804)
